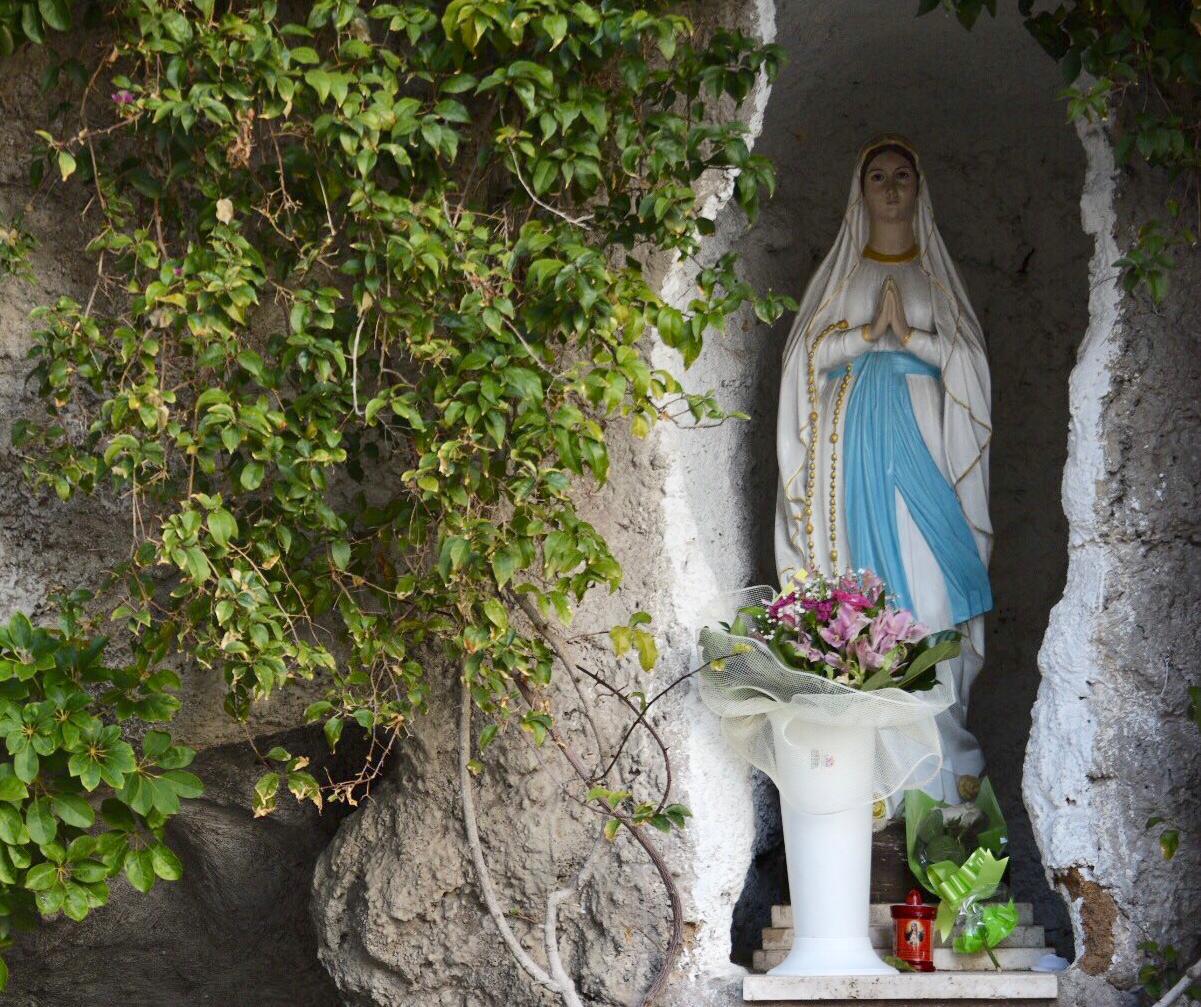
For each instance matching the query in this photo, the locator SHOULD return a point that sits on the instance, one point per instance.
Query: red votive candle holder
(913, 923)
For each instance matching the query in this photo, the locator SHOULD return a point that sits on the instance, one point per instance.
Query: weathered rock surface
(1112, 745)
(396, 901)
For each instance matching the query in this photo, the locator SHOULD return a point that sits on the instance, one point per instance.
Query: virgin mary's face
(890, 187)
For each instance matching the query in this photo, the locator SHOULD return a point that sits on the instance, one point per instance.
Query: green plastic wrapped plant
(956, 853)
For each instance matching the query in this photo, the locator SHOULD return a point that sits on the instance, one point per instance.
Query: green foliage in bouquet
(935, 832)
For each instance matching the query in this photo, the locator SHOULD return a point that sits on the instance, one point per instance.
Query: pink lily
(845, 627)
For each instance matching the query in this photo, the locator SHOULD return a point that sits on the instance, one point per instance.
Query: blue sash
(883, 451)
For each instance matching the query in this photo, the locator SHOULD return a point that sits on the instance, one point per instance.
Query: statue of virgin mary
(884, 426)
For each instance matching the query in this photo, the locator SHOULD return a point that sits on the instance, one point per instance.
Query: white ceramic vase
(824, 775)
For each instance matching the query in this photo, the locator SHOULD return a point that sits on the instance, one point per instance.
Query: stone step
(945, 960)
(962, 989)
(882, 937)
(879, 915)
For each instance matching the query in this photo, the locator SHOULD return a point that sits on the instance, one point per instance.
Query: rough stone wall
(1112, 745)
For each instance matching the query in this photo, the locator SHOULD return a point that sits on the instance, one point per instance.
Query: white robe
(961, 751)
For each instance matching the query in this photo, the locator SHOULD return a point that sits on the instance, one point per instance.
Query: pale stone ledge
(906, 988)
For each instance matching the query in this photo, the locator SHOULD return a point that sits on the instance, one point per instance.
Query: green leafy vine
(370, 298)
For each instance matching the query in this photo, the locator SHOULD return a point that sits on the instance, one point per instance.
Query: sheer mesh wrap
(743, 683)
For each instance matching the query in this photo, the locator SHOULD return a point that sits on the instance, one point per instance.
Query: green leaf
(117, 815)
(41, 877)
(623, 639)
(66, 164)
(89, 871)
(155, 744)
(505, 563)
(12, 789)
(555, 25)
(1169, 842)
(222, 526)
(75, 903)
(340, 553)
(304, 787)
(496, 614)
(304, 54)
(74, 810)
(86, 769)
(25, 764)
(648, 650)
(252, 476)
(56, 14)
(333, 731)
(12, 827)
(186, 785)
(265, 791)
(21, 630)
(139, 869)
(165, 863)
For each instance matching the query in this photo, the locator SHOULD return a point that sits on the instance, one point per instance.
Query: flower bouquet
(846, 632)
(832, 692)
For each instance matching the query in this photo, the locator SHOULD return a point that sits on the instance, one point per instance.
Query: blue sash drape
(883, 451)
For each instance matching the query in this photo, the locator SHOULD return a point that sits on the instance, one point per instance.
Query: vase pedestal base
(832, 956)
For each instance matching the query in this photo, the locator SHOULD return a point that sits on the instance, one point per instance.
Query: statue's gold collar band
(871, 253)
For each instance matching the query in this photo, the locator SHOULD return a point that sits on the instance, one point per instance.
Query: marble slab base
(905, 988)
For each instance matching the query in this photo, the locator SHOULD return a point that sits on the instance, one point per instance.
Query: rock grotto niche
(1006, 173)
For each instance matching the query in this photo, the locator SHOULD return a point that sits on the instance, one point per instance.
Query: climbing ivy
(371, 295)
(1141, 59)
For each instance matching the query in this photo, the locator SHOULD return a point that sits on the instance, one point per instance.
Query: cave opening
(1006, 172)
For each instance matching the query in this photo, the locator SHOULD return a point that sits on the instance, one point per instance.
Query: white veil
(963, 358)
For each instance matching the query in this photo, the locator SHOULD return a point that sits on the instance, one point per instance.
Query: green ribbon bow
(962, 889)
(975, 881)
(996, 922)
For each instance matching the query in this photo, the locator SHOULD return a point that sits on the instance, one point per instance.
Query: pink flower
(852, 598)
(834, 661)
(778, 610)
(805, 648)
(869, 655)
(845, 627)
(123, 97)
(893, 626)
(824, 607)
(873, 586)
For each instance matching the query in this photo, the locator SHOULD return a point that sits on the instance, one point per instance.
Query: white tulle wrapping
(743, 683)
